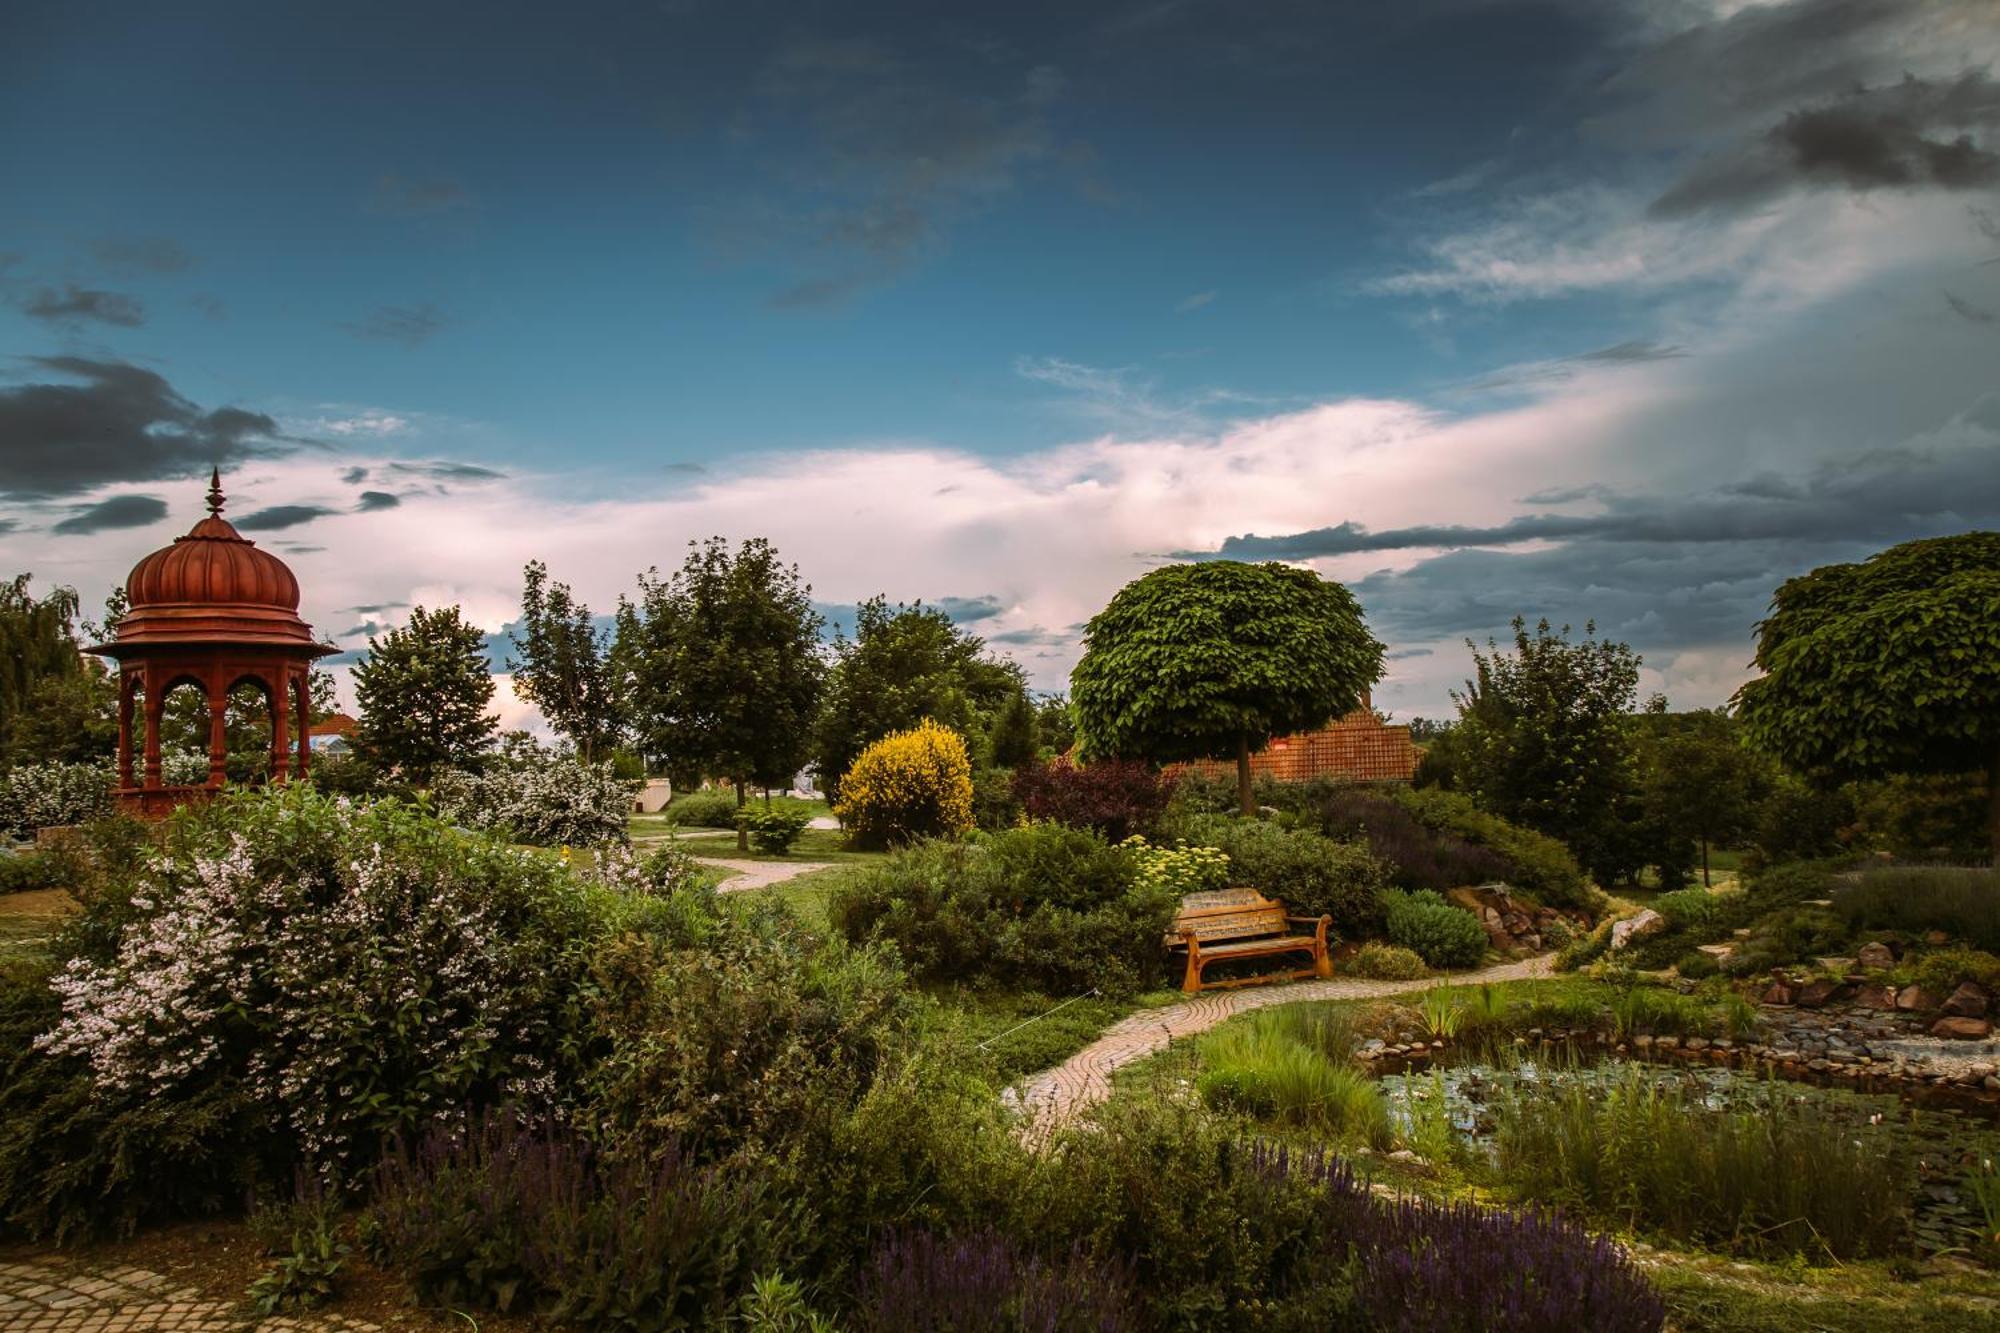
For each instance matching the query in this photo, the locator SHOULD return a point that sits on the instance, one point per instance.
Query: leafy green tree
(1055, 724)
(724, 665)
(1210, 661)
(70, 718)
(1889, 666)
(424, 691)
(905, 664)
(1701, 781)
(1543, 738)
(565, 666)
(1016, 739)
(37, 643)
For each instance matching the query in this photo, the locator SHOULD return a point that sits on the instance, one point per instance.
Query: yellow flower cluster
(910, 784)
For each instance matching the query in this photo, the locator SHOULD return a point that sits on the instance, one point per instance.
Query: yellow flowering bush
(1179, 869)
(908, 785)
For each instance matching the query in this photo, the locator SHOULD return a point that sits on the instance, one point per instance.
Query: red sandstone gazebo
(214, 610)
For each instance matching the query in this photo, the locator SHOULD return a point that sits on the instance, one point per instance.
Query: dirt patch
(47, 904)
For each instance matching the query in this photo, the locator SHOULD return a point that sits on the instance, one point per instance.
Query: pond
(1945, 1145)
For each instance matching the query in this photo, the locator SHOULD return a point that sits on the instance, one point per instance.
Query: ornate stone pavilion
(213, 610)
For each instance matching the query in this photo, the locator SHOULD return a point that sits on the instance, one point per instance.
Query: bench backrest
(1229, 914)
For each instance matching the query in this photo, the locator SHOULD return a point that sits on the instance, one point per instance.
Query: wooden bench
(1242, 923)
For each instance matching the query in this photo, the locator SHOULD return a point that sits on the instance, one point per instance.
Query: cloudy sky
(1611, 309)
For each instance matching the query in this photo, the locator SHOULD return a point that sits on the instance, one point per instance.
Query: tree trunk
(1249, 806)
(1993, 802)
(1706, 882)
(742, 829)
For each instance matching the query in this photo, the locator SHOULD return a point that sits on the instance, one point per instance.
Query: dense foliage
(1210, 661)
(424, 689)
(1119, 798)
(534, 796)
(564, 665)
(908, 785)
(1056, 909)
(1434, 930)
(1891, 665)
(36, 796)
(38, 653)
(1311, 874)
(905, 664)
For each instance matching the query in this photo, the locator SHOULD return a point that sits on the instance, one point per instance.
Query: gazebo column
(281, 750)
(127, 682)
(302, 695)
(218, 734)
(155, 705)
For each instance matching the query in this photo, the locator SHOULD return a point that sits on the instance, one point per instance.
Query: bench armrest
(1311, 920)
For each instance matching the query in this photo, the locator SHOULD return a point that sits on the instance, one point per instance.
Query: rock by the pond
(1876, 957)
(1817, 993)
(1968, 1001)
(1637, 927)
(1915, 999)
(1779, 992)
(1876, 997)
(1959, 1028)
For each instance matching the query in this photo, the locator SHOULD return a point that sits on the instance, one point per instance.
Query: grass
(1781, 1177)
(1015, 1033)
(1294, 1066)
(1961, 902)
(814, 844)
(1710, 1295)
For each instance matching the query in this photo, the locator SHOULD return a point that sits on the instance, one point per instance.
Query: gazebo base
(158, 802)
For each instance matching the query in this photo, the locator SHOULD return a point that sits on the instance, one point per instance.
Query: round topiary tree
(1887, 666)
(1210, 661)
(908, 785)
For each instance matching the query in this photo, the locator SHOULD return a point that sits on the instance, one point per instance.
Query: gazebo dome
(213, 585)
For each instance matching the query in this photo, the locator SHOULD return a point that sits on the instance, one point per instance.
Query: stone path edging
(1057, 1096)
(54, 1297)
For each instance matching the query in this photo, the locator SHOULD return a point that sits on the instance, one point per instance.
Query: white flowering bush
(543, 799)
(291, 981)
(34, 796)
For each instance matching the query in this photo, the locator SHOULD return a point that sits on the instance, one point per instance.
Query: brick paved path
(1056, 1096)
(50, 1296)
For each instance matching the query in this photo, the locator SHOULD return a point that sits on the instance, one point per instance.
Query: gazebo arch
(214, 610)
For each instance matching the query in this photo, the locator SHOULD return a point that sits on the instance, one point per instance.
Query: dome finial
(215, 492)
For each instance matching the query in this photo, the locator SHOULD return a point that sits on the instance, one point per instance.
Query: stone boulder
(1780, 992)
(1968, 1001)
(1962, 1029)
(1876, 957)
(1876, 997)
(1818, 993)
(1915, 1000)
(1638, 927)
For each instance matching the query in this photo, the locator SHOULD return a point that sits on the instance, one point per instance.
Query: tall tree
(905, 664)
(724, 664)
(565, 666)
(1543, 737)
(1055, 724)
(1016, 733)
(424, 691)
(1889, 666)
(1700, 779)
(37, 643)
(1211, 661)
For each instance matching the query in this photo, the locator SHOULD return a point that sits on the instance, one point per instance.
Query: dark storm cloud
(1967, 311)
(376, 608)
(1915, 134)
(412, 326)
(686, 469)
(1406, 654)
(120, 511)
(1633, 352)
(412, 197)
(1035, 637)
(965, 610)
(354, 476)
(130, 256)
(443, 470)
(1563, 495)
(121, 424)
(78, 305)
(7, 525)
(899, 154)
(279, 517)
(371, 501)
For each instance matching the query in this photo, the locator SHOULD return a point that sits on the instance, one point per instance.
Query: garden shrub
(1696, 965)
(1311, 874)
(773, 831)
(1116, 797)
(1043, 906)
(541, 799)
(908, 785)
(36, 796)
(500, 1216)
(291, 981)
(1294, 1066)
(1536, 862)
(1417, 856)
(994, 805)
(1963, 903)
(1687, 907)
(1179, 869)
(22, 872)
(1585, 949)
(1442, 935)
(706, 807)
(983, 1282)
(1385, 962)
(1943, 971)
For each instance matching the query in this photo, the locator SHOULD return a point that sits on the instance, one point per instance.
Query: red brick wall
(1356, 747)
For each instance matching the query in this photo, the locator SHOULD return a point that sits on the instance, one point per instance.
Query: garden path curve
(54, 1295)
(758, 874)
(1057, 1096)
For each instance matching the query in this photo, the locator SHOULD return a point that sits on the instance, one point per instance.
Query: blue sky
(1612, 310)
